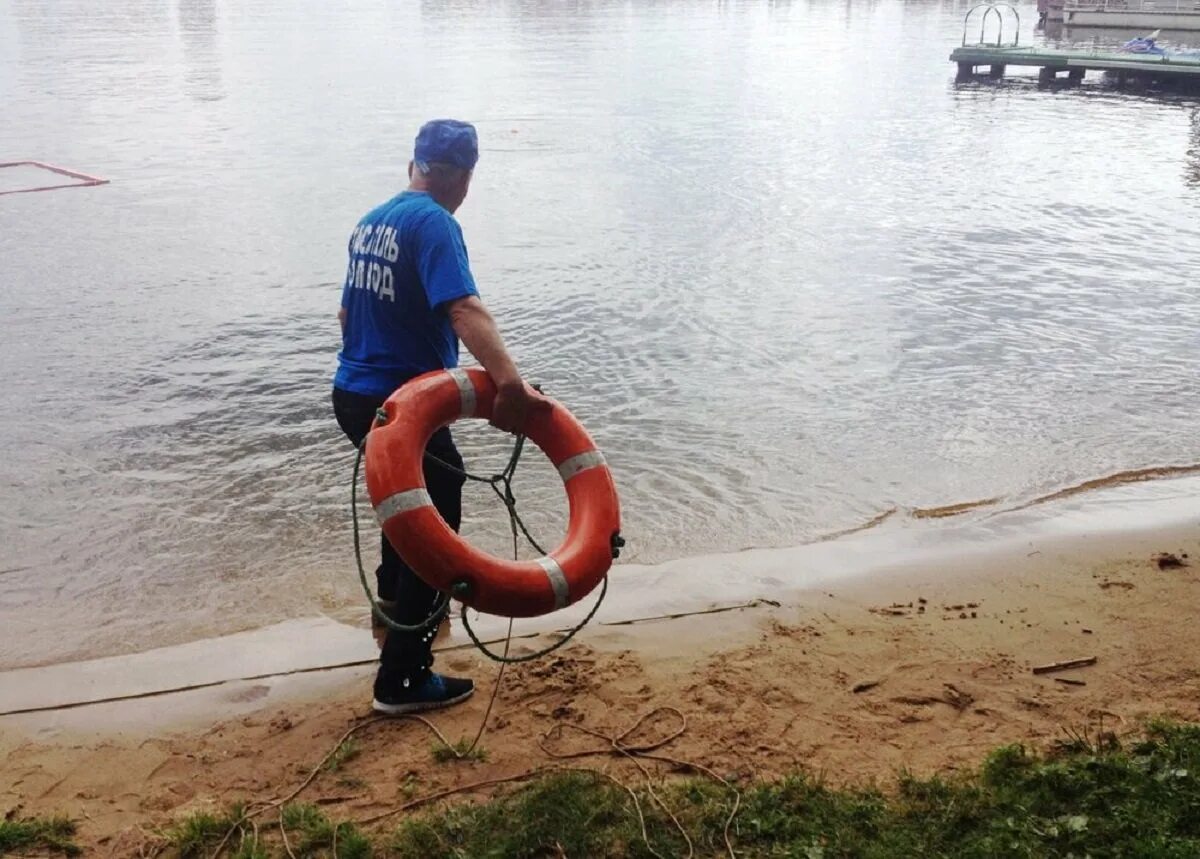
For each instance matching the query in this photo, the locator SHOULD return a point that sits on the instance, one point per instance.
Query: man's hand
(515, 404)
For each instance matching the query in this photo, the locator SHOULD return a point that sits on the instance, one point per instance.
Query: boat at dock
(1138, 14)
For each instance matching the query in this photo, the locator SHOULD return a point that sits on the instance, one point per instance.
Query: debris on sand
(1064, 665)
(1169, 561)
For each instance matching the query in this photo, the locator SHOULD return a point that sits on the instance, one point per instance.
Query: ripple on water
(786, 296)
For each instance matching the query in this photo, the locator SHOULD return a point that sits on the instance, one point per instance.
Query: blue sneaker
(393, 698)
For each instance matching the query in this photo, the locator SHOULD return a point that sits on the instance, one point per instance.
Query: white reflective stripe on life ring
(580, 462)
(402, 502)
(558, 581)
(466, 391)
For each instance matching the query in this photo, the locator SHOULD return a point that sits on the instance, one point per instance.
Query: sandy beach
(896, 374)
(921, 667)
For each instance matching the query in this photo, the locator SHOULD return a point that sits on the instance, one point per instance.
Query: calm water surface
(789, 274)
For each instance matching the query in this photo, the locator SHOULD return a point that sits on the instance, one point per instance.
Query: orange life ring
(443, 559)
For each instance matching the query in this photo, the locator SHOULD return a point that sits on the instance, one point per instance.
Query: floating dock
(1131, 67)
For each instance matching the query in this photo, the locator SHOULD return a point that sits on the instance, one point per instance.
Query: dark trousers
(407, 656)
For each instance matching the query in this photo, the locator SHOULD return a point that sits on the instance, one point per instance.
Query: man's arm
(449, 286)
(342, 318)
(477, 329)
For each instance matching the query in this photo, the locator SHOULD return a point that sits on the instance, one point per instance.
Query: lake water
(789, 274)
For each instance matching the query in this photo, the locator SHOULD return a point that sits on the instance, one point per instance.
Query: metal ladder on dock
(967, 71)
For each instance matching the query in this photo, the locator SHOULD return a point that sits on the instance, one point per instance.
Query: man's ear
(410, 171)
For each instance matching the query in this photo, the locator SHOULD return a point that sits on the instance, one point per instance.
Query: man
(408, 298)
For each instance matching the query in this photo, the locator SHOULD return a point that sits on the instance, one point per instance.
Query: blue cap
(447, 141)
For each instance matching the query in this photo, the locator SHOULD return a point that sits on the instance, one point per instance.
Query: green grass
(1097, 800)
(310, 835)
(1088, 797)
(44, 834)
(315, 834)
(250, 849)
(458, 751)
(342, 755)
(195, 836)
(408, 788)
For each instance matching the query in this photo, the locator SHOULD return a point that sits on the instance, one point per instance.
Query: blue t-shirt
(407, 259)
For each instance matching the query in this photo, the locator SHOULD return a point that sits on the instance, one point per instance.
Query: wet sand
(924, 665)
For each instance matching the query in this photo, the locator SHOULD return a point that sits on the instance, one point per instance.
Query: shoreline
(923, 662)
(1147, 497)
(731, 581)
